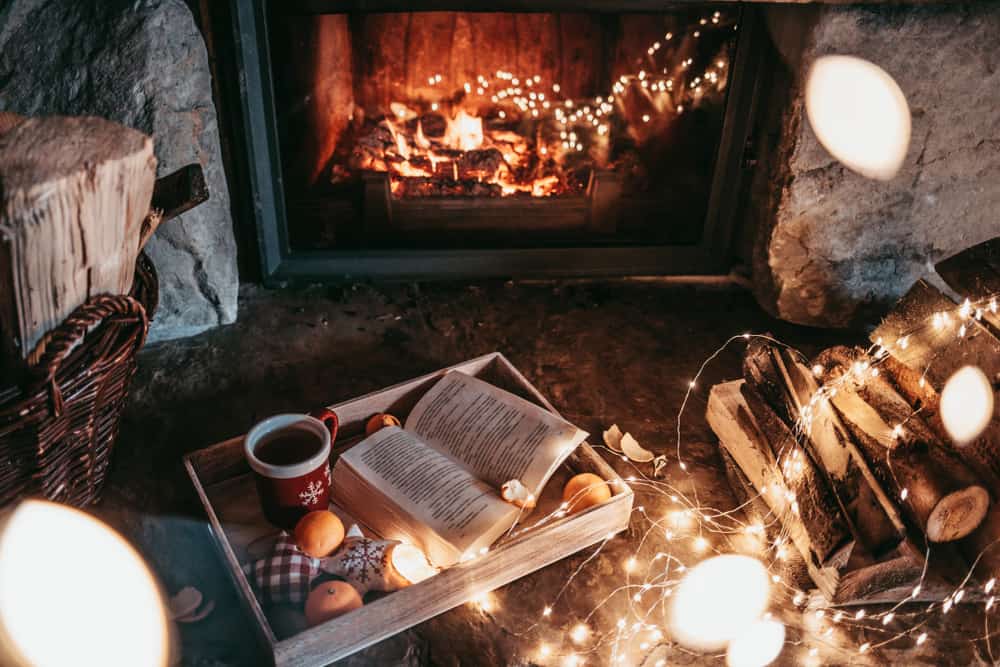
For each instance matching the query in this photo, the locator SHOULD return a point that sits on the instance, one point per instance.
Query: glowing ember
(436, 153)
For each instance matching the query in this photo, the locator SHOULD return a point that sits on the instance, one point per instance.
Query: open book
(435, 483)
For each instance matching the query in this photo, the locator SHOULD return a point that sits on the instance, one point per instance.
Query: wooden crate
(223, 481)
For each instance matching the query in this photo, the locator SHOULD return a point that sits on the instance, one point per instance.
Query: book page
(428, 486)
(498, 436)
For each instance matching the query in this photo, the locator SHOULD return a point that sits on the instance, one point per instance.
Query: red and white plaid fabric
(286, 574)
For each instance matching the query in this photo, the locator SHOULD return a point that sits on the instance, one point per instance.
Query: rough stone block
(837, 244)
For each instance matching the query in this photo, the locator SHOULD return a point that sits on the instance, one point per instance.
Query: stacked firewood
(849, 451)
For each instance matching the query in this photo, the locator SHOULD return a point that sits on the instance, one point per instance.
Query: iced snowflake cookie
(377, 565)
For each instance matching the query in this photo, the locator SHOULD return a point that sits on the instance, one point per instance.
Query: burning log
(421, 186)
(940, 494)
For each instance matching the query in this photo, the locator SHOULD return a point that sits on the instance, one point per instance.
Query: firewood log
(935, 353)
(921, 368)
(790, 387)
(975, 273)
(815, 534)
(73, 196)
(816, 503)
(942, 496)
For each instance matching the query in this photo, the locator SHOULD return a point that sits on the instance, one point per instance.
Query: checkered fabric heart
(286, 574)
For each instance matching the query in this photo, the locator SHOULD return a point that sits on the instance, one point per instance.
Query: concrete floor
(601, 352)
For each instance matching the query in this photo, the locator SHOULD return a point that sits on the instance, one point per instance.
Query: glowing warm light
(859, 115)
(411, 563)
(464, 132)
(579, 633)
(759, 645)
(717, 600)
(966, 404)
(484, 601)
(73, 592)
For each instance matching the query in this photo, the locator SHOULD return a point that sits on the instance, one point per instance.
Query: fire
(465, 132)
(432, 153)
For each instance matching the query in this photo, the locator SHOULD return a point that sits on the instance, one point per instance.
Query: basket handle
(64, 339)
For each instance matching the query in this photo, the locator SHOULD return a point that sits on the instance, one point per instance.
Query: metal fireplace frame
(280, 264)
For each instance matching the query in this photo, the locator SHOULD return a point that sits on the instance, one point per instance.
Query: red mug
(290, 457)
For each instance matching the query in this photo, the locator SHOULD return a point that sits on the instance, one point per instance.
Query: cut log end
(958, 514)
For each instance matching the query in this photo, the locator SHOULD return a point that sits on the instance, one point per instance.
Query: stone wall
(833, 247)
(143, 64)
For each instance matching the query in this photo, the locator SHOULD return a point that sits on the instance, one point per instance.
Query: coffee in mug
(290, 457)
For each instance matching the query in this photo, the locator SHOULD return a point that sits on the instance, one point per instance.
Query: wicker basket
(57, 431)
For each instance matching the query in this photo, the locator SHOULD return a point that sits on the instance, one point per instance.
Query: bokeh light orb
(757, 646)
(717, 600)
(859, 114)
(966, 404)
(73, 592)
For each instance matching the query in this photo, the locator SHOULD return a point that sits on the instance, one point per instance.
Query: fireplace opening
(450, 129)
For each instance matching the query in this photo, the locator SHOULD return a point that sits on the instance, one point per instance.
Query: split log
(942, 496)
(934, 353)
(792, 567)
(73, 196)
(815, 502)
(814, 535)
(173, 195)
(921, 368)
(790, 387)
(975, 273)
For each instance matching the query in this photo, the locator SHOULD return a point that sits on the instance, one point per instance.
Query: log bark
(73, 196)
(920, 370)
(814, 536)
(789, 388)
(975, 273)
(942, 496)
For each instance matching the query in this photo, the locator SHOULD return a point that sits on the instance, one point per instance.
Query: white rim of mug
(278, 422)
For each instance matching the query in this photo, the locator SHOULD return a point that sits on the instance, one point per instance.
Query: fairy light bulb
(757, 646)
(859, 114)
(105, 609)
(411, 563)
(717, 600)
(966, 404)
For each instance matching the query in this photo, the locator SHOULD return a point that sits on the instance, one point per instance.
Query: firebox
(570, 141)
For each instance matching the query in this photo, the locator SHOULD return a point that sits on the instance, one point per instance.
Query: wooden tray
(223, 482)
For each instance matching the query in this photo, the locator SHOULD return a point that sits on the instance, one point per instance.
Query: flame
(504, 158)
(420, 140)
(465, 132)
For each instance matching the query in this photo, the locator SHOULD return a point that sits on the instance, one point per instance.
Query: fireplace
(495, 143)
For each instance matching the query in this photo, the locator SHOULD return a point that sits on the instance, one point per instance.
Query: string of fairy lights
(698, 530)
(666, 88)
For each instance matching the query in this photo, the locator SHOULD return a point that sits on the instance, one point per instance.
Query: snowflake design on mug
(311, 494)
